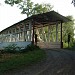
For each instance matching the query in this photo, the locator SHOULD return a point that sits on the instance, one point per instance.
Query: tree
(26, 7)
(29, 8)
(12, 2)
(73, 1)
(41, 8)
(68, 28)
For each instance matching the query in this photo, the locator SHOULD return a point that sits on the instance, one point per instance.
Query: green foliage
(41, 8)
(37, 9)
(26, 7)
(73, 46)
(73, 2)
(12, 2)
(68, 28)
(65, 45)
(30, 47)
(29, 8)
(70, 47)
(22, 59)
(12, 48)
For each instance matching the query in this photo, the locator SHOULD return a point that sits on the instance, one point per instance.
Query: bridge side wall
(20, 44)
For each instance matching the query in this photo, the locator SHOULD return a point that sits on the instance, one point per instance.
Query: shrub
(30, 47)
(13, 48)
(65, 45)
(72, 46)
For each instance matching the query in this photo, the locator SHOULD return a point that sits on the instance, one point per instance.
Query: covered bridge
(23, 32)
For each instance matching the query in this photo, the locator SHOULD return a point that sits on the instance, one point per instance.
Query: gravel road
(58, 62)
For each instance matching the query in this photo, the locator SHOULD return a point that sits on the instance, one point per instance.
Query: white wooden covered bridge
(23, 32)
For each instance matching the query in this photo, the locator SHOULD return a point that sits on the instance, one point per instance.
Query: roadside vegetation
(70, 46)
(12, 59)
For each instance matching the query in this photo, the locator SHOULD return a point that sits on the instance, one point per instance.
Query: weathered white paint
(20, 44)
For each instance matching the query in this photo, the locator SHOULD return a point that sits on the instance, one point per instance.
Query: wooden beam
(33, 33)
(30, 27)
(56, 31)
(24, 33)
(19, 34)
(61, 36)
(48, 33)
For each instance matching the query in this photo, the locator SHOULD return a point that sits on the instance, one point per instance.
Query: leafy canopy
(73, 2)
(12, 2)
(68, 28)
(29, 8)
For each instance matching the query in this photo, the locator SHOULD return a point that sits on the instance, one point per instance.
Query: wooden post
(8, 36)
(2, 38)
(43, 33)
(48, 33)
(61, 36)
(30, 27)
(33, 34)
(12, 35)
(19, 33)
(16, 33)
(56, 31)
(36, 39)
(24, 33)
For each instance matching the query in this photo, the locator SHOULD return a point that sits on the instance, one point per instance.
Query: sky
(11, 15)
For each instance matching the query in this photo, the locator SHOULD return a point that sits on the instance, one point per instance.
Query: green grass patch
(12, 61)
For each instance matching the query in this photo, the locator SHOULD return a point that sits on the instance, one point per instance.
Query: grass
(12, 61)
